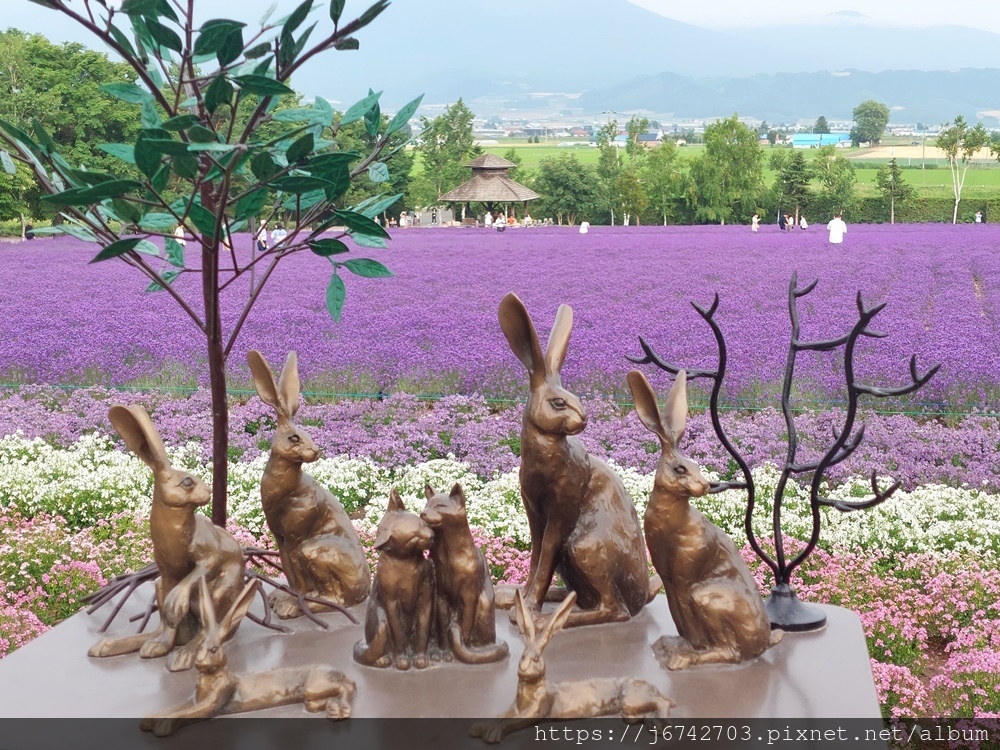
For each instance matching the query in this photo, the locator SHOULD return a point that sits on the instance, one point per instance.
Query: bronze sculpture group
(431, 599)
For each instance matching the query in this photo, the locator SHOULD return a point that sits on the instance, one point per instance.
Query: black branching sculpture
(784, 608)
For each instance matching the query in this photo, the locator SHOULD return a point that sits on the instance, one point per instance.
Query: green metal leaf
(149, 117)
(121, 151)
(322, 106)
(81, 233)
(299, 114)
(335, 294)
(158, 222)
(164, 36)
(347, 43)
(375, 205)
(300, 149)
(360, 224)
(219, 92)
(202, 218)
(90, 195)
(326, 248)
(181, 122)
(127, 92)
(216, 147)
(368, 268)
(117, 248)
(48, 145)
(404, 115)
(167, 146)
(8, 164)
(300, 184)
(373, 118)
(263, 166)
(378, 172)
(138, 7)
(214, 34)
(186, 167)
(336, 9)
(147, 158)
(122, 40)
(127, 212)
(363, 240)
(372, 13)
(258, 50)
(251, 205)
(267, 15)
(262, 85)
(147, 248)
(326, 165)
(168, 278)
(361, 108)
(201, 134)
(231, 49)
(297, 17)
(175, 252)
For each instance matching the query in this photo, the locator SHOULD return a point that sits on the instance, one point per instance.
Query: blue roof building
(815, 140)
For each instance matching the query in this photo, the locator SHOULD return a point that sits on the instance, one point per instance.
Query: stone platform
(824, 674)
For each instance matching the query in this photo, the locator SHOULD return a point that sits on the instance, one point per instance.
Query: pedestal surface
(824, 674)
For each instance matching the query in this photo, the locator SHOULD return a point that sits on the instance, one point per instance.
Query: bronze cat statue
(463, 602)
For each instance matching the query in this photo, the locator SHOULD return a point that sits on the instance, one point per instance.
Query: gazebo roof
(490, 189)
(490, 161)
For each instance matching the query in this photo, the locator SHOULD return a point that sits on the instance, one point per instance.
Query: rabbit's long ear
(524, 619)
(238, 611)
(555, 350)
(207, 607)
(559, 619)
(645, 406)
(520, 332)
(677, 407)
(263, 380)
(289, 386)
(139, 434)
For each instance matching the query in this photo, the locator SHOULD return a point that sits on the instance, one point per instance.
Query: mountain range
(625, 58)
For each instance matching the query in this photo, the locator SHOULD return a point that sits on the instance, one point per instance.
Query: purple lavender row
(433, 327)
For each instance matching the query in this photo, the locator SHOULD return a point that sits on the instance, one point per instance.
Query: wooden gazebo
(490, 185)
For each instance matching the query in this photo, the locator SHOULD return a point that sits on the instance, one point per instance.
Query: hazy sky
(718, 14)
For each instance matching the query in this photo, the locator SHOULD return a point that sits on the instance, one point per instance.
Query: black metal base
(788, 613)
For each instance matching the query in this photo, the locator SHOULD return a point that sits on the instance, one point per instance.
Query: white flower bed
(91, 480)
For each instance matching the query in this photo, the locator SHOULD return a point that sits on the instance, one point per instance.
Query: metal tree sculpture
(784, 608)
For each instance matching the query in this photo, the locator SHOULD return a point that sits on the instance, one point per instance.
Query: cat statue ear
(429, 491)
(457, 494)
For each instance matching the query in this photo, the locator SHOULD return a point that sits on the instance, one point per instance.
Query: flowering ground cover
(432, 328)
(921, 570)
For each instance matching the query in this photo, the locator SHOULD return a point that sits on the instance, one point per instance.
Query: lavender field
(432, 328)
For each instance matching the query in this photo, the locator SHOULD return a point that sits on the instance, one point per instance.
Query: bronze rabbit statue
(189, 550)
(221, 691)
(582, 521)
(537, 699)
(713, 599)
(321, 553)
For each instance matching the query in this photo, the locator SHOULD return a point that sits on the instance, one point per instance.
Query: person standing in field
(802, 222)
(837, 229)
(754, 223)
(782, 222)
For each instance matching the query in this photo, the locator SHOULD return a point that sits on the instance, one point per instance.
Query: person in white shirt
(802, 222)
(488, 220)
(179, 235)
(262, 237)
(278, 234)
(755, 222)
(837, 229)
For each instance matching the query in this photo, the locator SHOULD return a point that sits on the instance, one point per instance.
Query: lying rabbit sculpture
(220, 691)
(321, 554)
(189, 550)
(538, 699)
(582, 521)
(713, 599)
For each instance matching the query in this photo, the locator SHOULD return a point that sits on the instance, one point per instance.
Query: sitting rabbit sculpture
(220, 691)
(537, 699)
(713, 599)
(321, 554)
(189, 550)
(582, 521)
